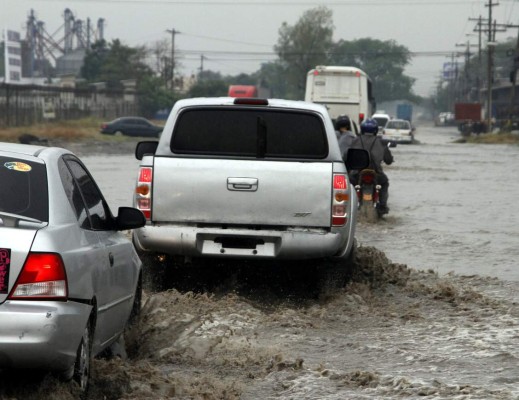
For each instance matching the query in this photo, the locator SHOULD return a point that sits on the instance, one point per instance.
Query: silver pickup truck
(250, 178)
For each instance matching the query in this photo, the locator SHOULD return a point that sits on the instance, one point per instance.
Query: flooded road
(453, 207)
(430, 310)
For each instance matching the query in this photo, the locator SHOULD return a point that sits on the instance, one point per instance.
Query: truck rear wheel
(336, 271)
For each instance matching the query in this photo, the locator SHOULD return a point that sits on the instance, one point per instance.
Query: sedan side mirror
(129, 218)
(356, 159)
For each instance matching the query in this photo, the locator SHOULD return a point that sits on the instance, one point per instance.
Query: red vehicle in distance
(243, 91)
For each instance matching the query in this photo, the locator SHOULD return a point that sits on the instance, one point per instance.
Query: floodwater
(453, 207)
(430, 308)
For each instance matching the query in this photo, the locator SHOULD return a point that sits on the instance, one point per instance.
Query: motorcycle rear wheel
(368, 213)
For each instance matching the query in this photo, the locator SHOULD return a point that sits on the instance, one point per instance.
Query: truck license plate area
(238, 245)
(238, 242)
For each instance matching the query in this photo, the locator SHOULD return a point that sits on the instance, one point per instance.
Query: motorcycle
(368, 195)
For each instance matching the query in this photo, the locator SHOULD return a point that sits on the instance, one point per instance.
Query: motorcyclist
(368, 140)
(345, 135)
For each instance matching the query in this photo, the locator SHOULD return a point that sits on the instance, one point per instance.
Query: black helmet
(369, 126)
(343, 121)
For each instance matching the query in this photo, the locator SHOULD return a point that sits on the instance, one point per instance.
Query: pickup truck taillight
(143, 191)
(340, 200)
(42, 277)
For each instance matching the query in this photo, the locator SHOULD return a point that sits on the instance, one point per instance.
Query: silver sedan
(70, 280)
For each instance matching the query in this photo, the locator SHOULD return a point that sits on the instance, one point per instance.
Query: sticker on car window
(18, 166)
(5, 262)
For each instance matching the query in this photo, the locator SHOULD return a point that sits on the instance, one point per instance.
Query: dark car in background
(131, 126)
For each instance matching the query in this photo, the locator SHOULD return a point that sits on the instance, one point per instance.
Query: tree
(93, 61)
(113, 63)
(161, 53)
(272, 76)
(383, 61)
(303, 46)
(153, 95)
(209, 88)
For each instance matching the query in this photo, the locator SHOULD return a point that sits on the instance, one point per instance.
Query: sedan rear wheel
(83, 359)
(118, 133)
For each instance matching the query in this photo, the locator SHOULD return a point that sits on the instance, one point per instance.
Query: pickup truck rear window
(257, 133)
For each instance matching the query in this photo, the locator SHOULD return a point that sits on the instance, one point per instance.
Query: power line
(280, 3)
(439, 53)
(226, 40)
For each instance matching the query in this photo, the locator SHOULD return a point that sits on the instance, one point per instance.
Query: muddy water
(453, 207)
(286, 331)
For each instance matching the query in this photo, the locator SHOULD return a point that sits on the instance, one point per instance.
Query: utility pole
(479, 29)
(490, 51)
(466, 86)
(453, 78)
(513, 79)
(173, 33)
(202, 63)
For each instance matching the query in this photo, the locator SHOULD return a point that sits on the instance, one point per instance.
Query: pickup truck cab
(247, 177)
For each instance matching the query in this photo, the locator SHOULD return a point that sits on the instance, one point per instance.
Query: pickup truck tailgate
(188, 190)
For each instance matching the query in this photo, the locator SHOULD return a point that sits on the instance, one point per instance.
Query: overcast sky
(237, 35)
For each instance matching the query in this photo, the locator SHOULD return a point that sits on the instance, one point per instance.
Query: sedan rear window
(398, 125)
(24, 188)
(256, 133)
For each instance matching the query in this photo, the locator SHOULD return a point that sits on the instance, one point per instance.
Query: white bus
(344, 90)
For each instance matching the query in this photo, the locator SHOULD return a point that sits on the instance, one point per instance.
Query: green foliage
(242, 79)
(209, 88)
(309, 43)
(153, 96)
(383, 61)
(303, 46)
(113, 63)
(272, 75)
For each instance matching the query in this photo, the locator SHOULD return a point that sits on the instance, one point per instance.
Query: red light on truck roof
(316, 72)
(251, 101)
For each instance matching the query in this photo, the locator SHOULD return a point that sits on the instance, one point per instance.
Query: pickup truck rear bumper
(293, 243)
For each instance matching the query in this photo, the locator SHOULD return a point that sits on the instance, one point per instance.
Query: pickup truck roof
(282, 103)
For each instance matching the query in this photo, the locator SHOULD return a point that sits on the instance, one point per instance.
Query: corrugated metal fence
(22, 105)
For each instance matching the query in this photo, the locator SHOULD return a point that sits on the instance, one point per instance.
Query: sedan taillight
(143, 191)
(42, 277)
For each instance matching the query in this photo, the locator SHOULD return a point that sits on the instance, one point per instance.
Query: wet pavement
(430, 309)
(453, 207)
